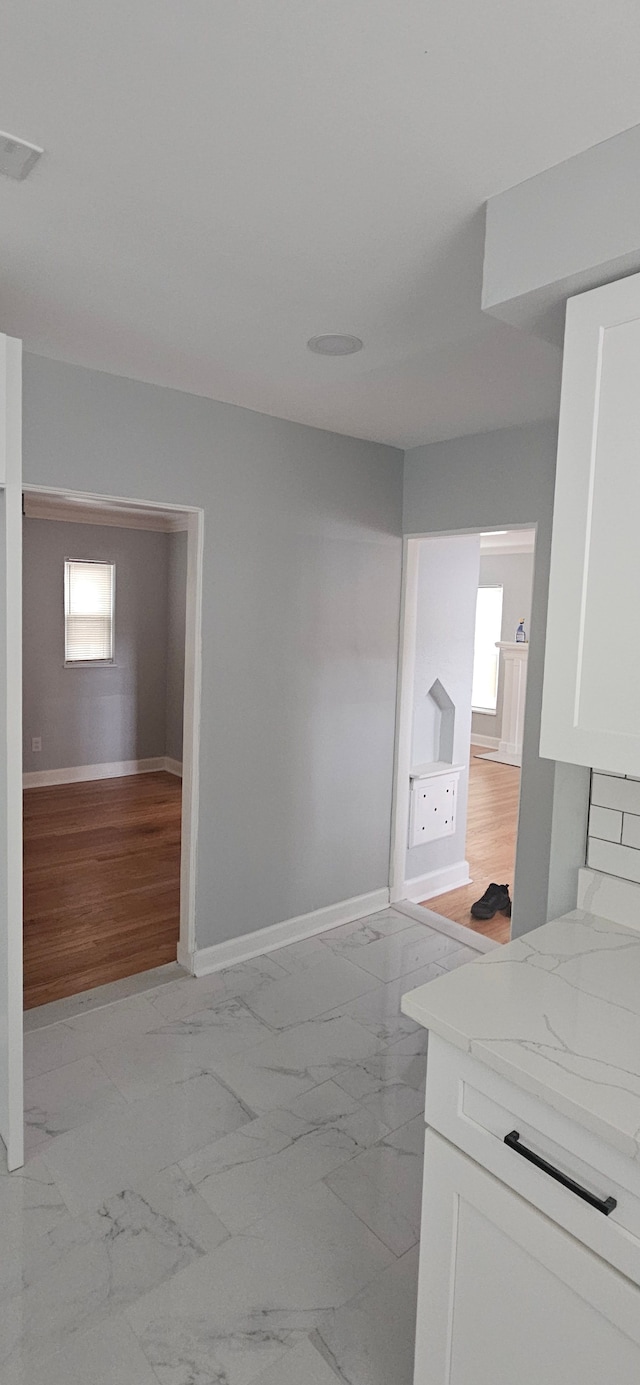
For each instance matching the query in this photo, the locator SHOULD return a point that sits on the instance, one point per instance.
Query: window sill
(486, 711)
(90, 663)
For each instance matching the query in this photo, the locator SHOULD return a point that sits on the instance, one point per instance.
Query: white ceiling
(225, 178)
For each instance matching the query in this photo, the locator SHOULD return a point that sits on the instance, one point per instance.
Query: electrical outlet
(36, 742)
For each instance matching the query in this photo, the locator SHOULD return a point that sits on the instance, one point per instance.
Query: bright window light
(484, 696)
(89, 599)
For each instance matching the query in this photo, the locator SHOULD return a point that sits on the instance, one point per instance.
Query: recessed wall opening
(111, 616)
(462, 703)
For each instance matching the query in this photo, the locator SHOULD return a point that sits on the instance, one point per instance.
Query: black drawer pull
(606, 1204)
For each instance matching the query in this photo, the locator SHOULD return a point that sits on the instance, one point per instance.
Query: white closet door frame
(11, 1018)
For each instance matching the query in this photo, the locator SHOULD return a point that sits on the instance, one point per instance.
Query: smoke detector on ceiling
(17, 156)
(335, 344)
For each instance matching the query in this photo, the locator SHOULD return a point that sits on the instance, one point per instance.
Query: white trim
(11, 1043)
(192, 700)
(121, 516)
(194, 523)
(467, 937)
(172, 766)
(435, 770)
(275, 935)
(127, 502)
(502, 545)
(404, 720)
(78, 774)
(437, 882)
(487, 742)
(185, 959)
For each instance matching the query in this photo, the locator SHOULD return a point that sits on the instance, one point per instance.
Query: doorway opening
(111, 694)
(461, 711)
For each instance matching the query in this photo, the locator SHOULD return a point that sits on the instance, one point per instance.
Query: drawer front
(476, 1109)
(506, 1296)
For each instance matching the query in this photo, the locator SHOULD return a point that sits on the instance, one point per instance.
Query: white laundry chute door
(11, 1081)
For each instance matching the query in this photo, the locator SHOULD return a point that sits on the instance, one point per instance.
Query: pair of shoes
(495, 900)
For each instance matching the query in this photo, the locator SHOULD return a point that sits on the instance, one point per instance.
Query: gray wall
(514, 573)
(89, 716)
(300, 626)
(506, 478)
(176, 612)
(447, 591)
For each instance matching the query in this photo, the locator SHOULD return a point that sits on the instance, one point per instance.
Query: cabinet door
(591, 702)
(508, 1298)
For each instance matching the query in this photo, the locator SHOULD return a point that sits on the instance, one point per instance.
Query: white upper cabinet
(591, 701)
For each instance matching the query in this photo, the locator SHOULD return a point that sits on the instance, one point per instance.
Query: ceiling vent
(335, 344)
(17, 157)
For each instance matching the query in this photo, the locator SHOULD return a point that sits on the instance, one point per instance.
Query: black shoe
(495, 900)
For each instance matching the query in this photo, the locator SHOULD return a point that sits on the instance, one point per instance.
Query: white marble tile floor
(223, 1180)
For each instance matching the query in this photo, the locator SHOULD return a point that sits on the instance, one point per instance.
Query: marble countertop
(558, 1013)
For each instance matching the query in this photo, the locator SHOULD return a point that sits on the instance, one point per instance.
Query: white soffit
(223, 181)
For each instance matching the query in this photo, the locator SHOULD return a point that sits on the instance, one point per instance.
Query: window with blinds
(89, 600)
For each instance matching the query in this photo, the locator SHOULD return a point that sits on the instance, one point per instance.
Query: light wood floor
(101, 882)
(492, 827)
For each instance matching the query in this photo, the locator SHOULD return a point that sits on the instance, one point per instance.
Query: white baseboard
(437, 882)
(226, 954)
(116, 769)
(173, 766)
(185, 959)
(487, 742)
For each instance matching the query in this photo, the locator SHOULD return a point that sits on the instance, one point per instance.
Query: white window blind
(89, 591)
(484, 696)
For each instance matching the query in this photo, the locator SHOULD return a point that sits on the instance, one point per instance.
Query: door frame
(192, 693)
(11, 1037)
(405, 699)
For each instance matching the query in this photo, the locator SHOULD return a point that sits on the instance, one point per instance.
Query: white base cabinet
(523, 1278)
(507, 1297)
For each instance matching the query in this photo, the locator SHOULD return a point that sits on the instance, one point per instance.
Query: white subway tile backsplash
(630, 831)
(614, 859)
(608, 791)
(613, 846)
(606, 823)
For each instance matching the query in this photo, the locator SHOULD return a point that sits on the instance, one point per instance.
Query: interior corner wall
(514, 573)
(176, 631)
(104, 714)
(300, 614)
(482, 481)
(445, 621)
